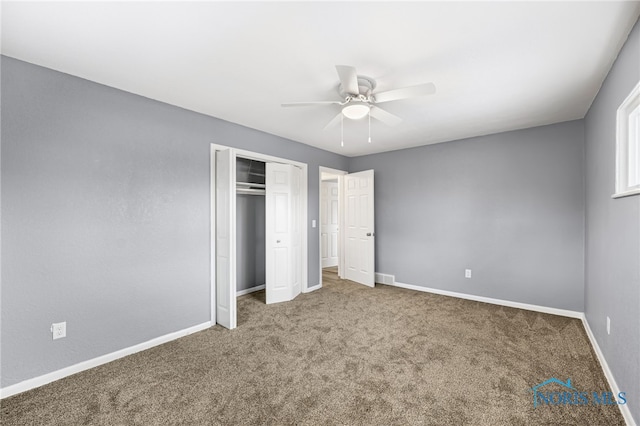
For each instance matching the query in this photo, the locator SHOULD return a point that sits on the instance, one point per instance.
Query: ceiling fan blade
(335, 120)
(384, 116)
(349, 79)
(405, 92)
(295, 104)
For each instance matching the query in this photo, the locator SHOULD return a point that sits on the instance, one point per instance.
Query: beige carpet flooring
(342, 355)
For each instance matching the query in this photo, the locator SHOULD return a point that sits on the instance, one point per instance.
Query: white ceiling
(497, 65)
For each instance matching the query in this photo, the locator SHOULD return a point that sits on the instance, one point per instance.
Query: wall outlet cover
(59, 330)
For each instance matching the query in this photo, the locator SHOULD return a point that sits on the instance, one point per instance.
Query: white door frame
(303, 214)
(338, 173)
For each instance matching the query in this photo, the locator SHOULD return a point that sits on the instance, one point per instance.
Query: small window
(628, 146)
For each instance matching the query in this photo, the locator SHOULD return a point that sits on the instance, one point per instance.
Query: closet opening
(258, 232)
(250, 226)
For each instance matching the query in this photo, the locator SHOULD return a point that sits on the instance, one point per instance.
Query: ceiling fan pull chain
(341, 130)
(369, 124)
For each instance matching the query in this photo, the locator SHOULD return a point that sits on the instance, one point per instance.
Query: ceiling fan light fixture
(356, 110)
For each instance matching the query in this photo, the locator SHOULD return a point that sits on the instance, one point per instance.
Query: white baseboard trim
(95, 362)
(249, 290)
(314, 288)
(624, 409)
(509, 303)
(262, 287)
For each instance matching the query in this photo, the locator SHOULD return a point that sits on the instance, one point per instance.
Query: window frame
(628, 145)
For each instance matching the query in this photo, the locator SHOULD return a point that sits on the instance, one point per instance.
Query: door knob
(368, 234)
(277, 241)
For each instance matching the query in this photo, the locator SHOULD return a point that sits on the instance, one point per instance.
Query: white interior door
(283, 232)
(225, 238)
(359, 242)
(329, 223)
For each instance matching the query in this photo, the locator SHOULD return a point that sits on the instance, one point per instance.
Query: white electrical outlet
(59, 330)
(467, 273)
(608, 325)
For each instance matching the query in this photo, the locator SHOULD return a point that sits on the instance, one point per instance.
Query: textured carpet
(344, 354)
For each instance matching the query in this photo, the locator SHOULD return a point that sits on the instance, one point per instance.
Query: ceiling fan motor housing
(365, 87)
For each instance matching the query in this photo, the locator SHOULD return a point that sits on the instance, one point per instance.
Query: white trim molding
(314, 288)
(624, 409)
(95, 362)
(626, 193)
(628, 145)
(509, 303)
(250, 290)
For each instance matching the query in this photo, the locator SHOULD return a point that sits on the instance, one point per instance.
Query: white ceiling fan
(359, 99)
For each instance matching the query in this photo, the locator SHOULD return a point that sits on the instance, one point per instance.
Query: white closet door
(226, 238)
(359, 228)
(283, 233)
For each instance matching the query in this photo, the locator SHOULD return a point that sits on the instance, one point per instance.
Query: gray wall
(105, 216)
(613, 232)
(508, 206)
(250, 241)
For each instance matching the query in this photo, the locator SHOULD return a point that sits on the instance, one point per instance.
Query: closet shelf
(250, 191)
(250, 185)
